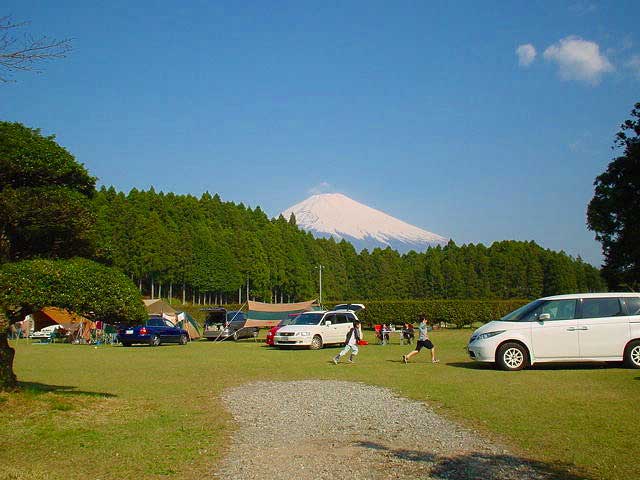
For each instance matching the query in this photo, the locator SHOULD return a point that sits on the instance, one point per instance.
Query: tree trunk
(7, 377)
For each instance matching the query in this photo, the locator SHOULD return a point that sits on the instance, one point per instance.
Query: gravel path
(331, 429)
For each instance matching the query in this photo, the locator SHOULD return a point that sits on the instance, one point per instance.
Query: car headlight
(483, 336)
(302, 334)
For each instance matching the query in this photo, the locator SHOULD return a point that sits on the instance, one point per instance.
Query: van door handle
(571, 329)
(583, 328)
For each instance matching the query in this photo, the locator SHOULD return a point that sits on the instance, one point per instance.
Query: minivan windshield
(307, 319)
(522, 312)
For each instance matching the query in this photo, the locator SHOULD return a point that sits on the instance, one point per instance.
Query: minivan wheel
(316, 343)
(632, 354)
(511, 357)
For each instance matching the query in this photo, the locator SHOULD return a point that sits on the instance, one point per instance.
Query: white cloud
(526, 54)
(633, 64)
(583, 8)
(578, 59)
(322, 187)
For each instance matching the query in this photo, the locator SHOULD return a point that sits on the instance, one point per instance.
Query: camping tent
(188, 323)
(159, 307)
(78, 326)
(178, 318)
(269, 314)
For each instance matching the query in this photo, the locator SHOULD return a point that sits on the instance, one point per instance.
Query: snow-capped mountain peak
(335, 214)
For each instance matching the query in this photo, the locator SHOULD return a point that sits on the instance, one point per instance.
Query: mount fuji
(336, 215)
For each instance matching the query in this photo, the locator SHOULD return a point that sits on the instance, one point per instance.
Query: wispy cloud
(322, 187)
(526, 54)
(582, 8)
(578, 59)
(633, 64)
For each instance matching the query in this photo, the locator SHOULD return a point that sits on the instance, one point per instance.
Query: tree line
(205, 250)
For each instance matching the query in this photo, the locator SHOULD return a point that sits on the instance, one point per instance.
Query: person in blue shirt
(423, 341)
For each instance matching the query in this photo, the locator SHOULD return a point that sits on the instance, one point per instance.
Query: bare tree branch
(25, 52)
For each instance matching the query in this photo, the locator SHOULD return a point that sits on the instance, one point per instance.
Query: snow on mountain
(334, 214)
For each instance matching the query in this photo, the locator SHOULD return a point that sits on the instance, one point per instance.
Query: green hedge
(453, 312)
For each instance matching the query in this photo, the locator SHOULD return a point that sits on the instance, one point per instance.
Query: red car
(272, 331)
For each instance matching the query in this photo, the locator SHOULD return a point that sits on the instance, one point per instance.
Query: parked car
(598, 327)
(46, 333)
(155, 331)
(221, 324)
(283, 323)
(316, 329)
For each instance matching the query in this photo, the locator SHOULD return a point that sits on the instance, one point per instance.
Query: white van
(592, 327)
(319, 328)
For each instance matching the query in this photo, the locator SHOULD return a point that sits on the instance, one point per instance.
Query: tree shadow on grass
(42, 388)
(486, 466)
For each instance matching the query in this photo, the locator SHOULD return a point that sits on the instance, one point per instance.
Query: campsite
(93, 412)
(363, 240)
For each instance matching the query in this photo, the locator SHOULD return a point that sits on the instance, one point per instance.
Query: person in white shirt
(351, 343)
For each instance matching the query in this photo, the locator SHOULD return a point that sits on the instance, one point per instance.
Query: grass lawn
(114, 412)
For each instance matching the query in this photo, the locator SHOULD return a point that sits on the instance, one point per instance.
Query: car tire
(512, 356)
(154, 341)
(316, 343)
(210, 339)
(632, 354)
(183, 340)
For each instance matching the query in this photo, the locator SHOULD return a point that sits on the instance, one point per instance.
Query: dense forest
(205, 250)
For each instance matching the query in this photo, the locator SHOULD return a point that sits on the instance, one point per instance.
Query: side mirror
(328, 323)
(544, 316)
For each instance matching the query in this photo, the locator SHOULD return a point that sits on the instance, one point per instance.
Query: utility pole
(320, 268)
(247, 289)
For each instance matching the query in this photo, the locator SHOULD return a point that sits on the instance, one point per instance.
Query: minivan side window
(557, 310)
(341, 318)
(601, 307)
(329, 318)
(633, 305)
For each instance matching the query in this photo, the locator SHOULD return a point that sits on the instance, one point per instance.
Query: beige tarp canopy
(270, 314)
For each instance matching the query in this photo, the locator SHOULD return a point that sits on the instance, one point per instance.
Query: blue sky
(481, 121)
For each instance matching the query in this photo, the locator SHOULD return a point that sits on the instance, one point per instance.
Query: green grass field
(114, 412)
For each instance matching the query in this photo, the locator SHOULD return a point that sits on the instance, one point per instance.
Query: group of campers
(355, 335)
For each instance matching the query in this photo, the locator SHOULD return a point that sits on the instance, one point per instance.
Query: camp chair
(378, 330)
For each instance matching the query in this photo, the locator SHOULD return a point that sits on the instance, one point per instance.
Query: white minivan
(592, 327)
(318, 328)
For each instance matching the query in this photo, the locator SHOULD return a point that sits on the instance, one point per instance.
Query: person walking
(423, 341)
(351, 343)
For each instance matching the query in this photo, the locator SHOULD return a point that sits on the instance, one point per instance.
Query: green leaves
(28, 159)
(78, 284)
(44, 198)
(614, 211)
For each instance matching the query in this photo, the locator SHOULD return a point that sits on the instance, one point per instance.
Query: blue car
(155, 331)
